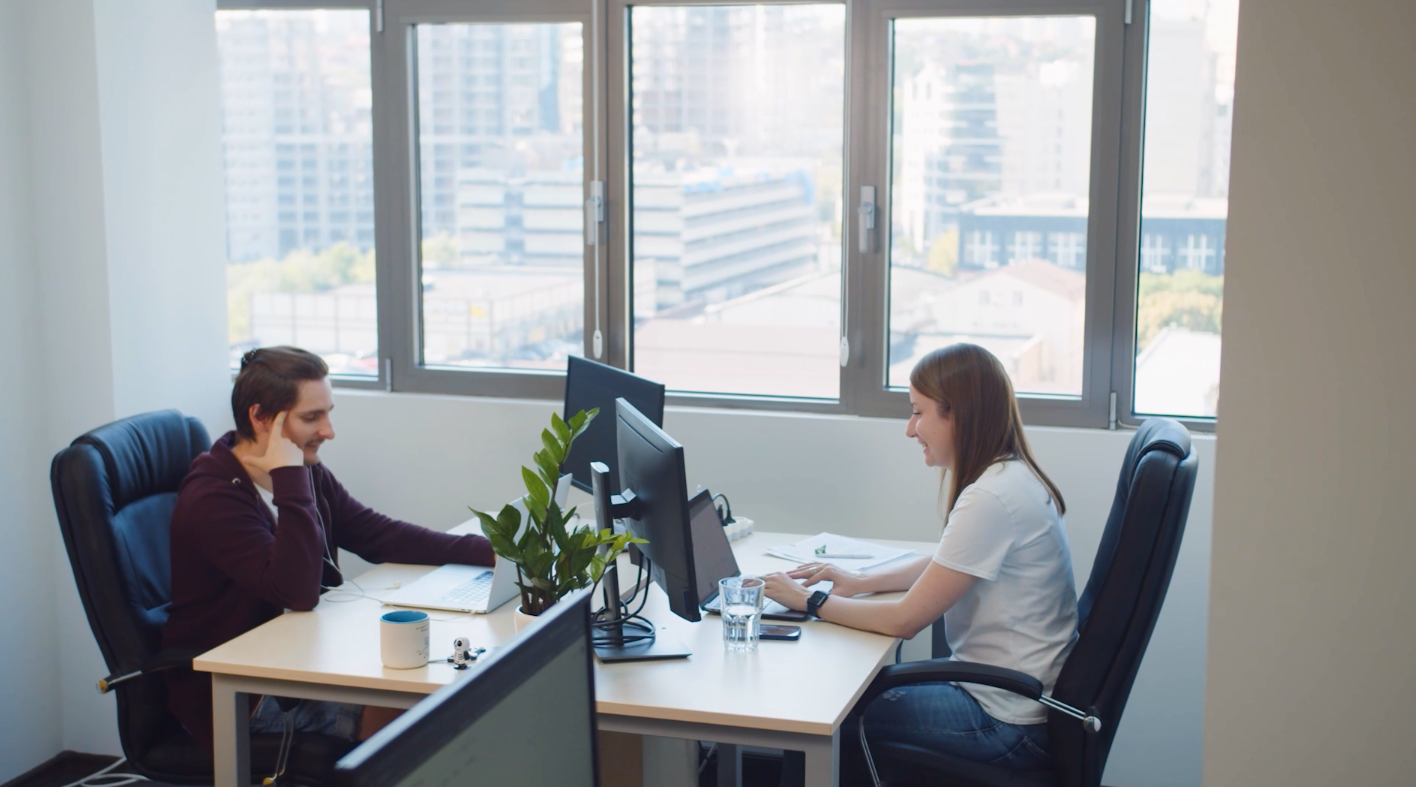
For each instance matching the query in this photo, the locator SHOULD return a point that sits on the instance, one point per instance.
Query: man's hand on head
(280, 451)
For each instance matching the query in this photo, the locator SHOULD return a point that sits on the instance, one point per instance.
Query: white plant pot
(521, 619)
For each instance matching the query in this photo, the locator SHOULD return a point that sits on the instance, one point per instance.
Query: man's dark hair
(271, 377)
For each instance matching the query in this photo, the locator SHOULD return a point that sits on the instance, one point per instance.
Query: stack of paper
(848, 553)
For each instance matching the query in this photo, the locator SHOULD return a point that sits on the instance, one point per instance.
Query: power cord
(725, 511)
(629, 621)
(104, 778)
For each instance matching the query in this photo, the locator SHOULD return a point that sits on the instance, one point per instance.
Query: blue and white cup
(403, 639)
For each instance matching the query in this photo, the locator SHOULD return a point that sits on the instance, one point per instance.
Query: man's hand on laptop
(280, 451)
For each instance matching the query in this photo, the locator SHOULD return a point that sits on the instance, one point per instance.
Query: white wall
(163, 187)
(29, 644)
(426, 458)
(110, 147)
(1312, 629)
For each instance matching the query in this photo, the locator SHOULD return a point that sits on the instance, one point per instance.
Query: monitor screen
(534, 695)
(588, 385)
(712, 554)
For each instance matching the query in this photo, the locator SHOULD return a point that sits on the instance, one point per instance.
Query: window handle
(594, 213)
(866, 216)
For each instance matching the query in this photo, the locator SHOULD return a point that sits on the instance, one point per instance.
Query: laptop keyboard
(470, 594)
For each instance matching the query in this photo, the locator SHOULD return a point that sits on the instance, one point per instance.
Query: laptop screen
(712, 556)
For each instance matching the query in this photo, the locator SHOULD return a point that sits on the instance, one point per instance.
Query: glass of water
(741, 609)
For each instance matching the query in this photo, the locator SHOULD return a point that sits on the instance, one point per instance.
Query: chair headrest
(147, 453)
(1159, 434)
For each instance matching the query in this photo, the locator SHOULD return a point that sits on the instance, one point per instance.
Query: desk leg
(823, 758)
(231, 727)
(729, 765)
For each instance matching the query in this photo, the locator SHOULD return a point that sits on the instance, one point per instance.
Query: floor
(64, 768)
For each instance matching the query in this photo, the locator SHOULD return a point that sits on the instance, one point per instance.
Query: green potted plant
(550, 559)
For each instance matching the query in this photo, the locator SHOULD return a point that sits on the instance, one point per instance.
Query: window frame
(396, 159)
(871, 321)
(1113, 252)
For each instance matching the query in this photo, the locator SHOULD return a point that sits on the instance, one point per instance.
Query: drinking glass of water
(741, 609)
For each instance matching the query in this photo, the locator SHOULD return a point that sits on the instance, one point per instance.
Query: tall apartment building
(297, 133)
(975, 127)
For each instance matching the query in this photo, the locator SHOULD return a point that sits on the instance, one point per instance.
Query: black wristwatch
(813, 604)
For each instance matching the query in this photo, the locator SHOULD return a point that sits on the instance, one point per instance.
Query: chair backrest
(1119, 607)
(114, 491)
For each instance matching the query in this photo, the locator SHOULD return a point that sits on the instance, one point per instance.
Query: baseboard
(63, 768)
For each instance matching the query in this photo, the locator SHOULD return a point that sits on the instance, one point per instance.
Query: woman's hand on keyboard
(844, 582)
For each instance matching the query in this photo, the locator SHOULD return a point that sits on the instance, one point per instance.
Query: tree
(440, 249)
(944, 253)
(1184, 299)
(299, 271)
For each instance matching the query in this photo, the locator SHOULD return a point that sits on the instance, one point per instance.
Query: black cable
(646, 567)
(725, 512)
(632, 620)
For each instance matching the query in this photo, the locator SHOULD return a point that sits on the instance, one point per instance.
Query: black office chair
(114, 490)
(1116, 615)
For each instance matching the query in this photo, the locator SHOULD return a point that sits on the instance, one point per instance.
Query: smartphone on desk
(788, 633)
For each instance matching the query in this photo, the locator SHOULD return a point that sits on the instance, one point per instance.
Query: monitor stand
(663, 646)
(611, 647)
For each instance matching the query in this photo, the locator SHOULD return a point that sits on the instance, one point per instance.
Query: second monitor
(589, 385)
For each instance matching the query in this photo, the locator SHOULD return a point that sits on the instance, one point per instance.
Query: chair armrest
(164, 660)
(946, 671)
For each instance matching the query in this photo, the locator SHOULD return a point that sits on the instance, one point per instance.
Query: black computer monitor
(589, 384)
(652, 473)
(533, 696)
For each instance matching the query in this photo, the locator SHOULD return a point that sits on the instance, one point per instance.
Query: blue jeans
(329, 718)
(945, 718)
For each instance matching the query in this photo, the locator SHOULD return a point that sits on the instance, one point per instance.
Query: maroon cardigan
(235, 567)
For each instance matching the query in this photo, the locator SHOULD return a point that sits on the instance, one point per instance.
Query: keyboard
(471, 594)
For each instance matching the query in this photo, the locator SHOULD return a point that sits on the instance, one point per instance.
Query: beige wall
(1311, 629)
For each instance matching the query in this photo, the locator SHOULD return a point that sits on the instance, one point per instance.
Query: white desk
(787, 695)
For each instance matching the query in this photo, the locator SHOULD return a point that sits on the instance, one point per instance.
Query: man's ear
(260, 425)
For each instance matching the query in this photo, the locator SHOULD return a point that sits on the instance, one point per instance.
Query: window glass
(1184, 205)
(297, 145)
(501, 190)
(990, 176)
(737, 116)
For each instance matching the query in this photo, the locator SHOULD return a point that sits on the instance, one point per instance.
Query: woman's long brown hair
(970, 386)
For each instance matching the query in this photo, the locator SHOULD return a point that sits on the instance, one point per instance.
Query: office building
(297, 133)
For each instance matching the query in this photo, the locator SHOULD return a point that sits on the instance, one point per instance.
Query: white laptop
(470, 588)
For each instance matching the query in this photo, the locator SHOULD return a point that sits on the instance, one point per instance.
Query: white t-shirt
(1022, 613)
(269, 498)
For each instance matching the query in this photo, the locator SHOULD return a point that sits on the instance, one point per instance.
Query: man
(257, 528)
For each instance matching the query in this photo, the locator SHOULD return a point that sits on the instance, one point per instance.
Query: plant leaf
(489, 523)
(509, 522)
(562, 431)
(504, 548)
(550, 471)
(555, 447)
(597, 567)
(536, 489)
(556, 525)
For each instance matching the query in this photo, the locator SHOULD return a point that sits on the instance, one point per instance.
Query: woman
(1001, 577)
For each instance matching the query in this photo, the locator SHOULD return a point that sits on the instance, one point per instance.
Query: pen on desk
(845, 556)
